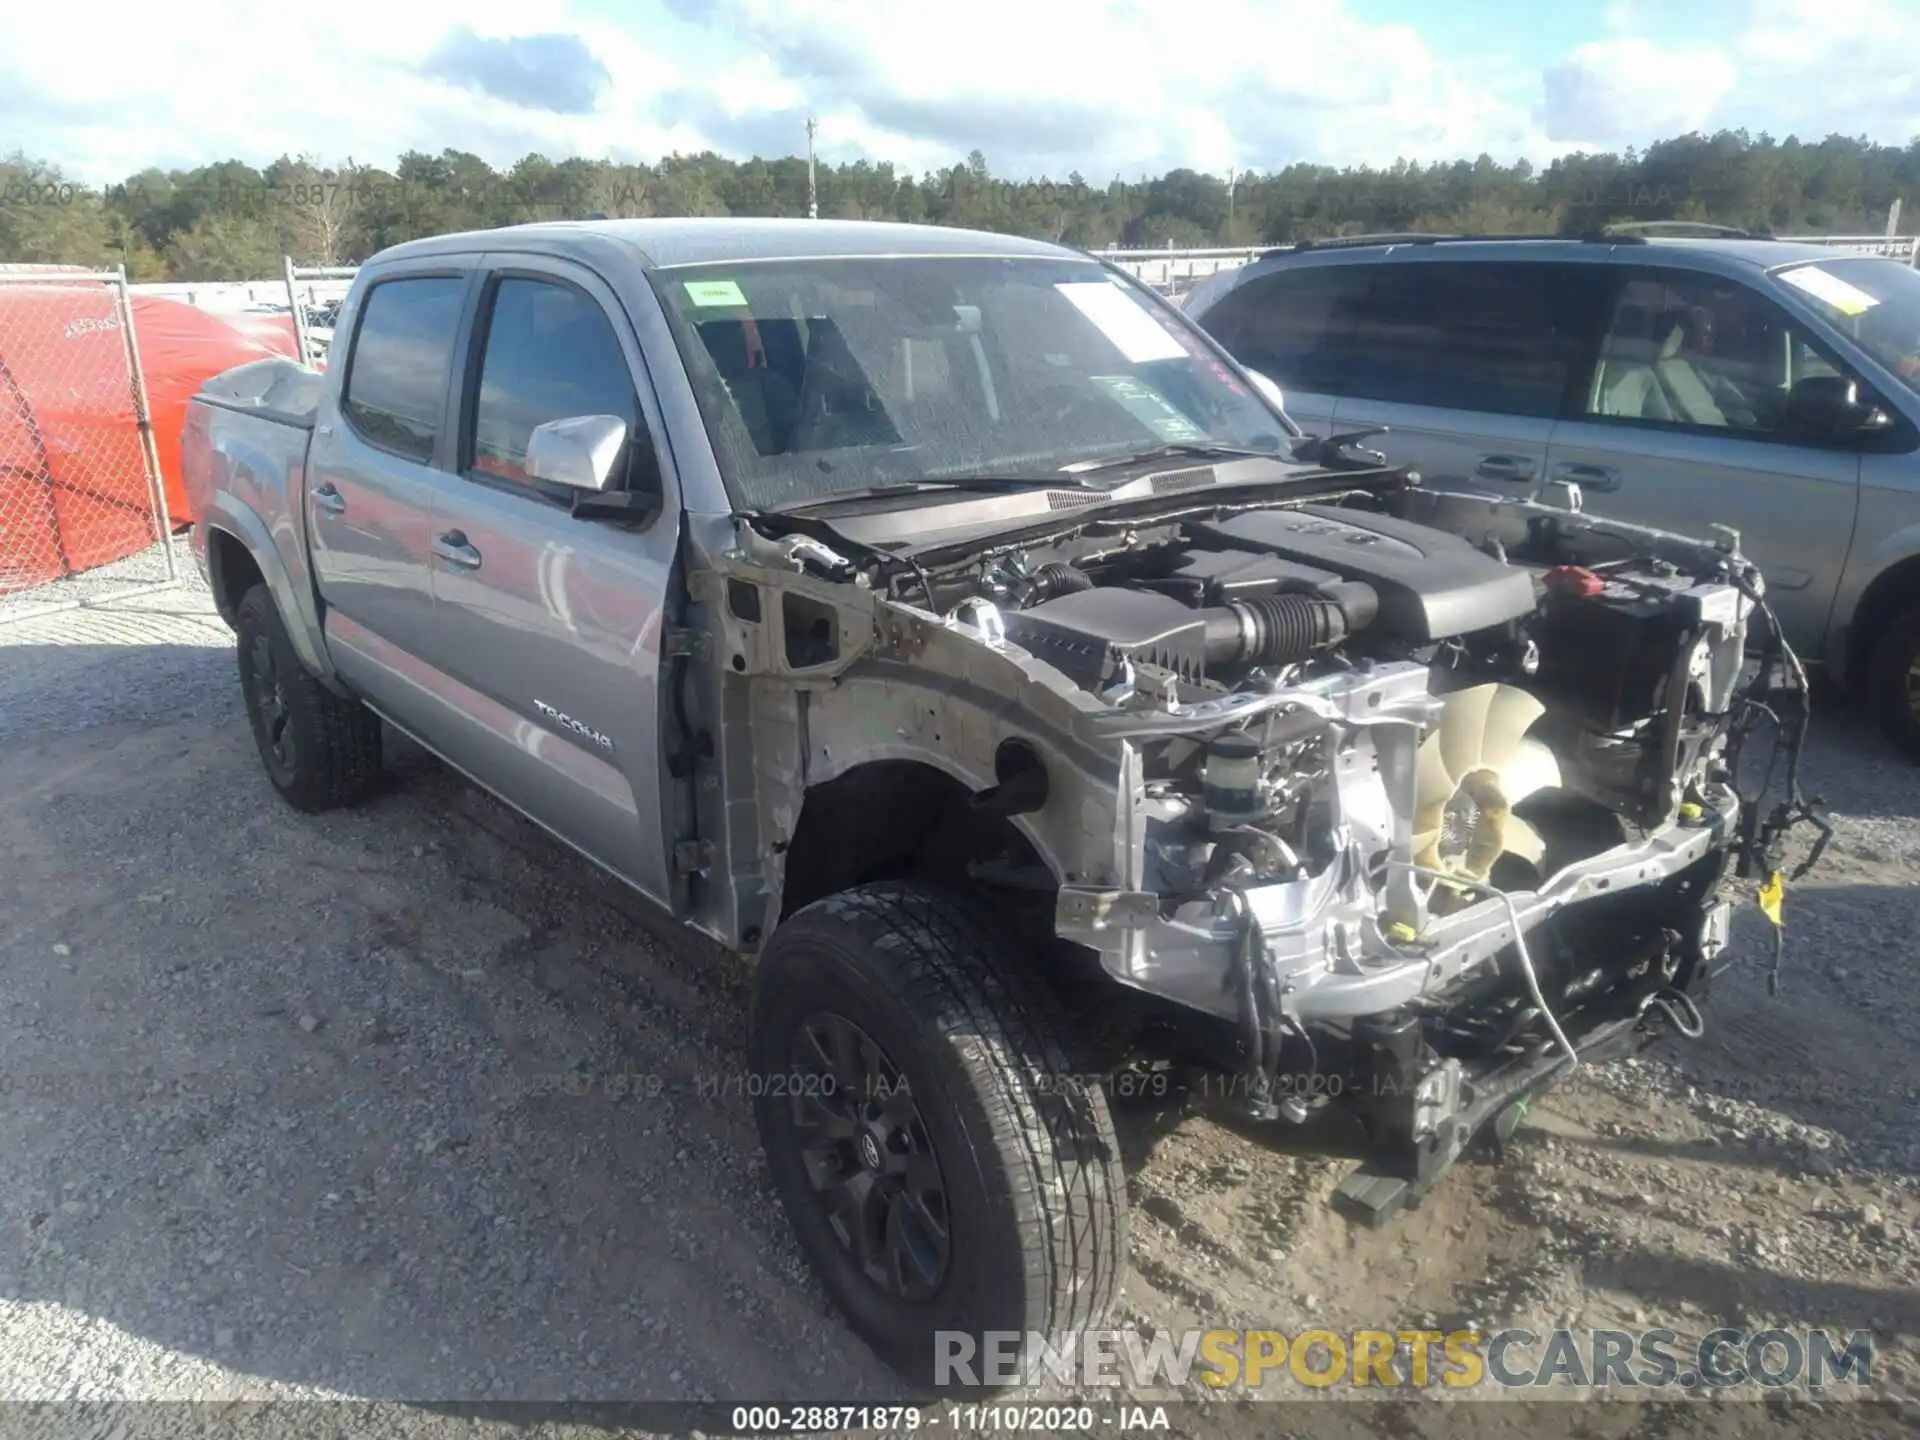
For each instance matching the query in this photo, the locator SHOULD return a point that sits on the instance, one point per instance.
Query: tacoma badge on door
(572, 724)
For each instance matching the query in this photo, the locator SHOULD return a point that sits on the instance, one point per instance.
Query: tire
(320, 750)
(1893, 681)
(1030, 1183)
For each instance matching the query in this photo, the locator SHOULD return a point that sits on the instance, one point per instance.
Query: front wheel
(947, 1170)
(1893, 681)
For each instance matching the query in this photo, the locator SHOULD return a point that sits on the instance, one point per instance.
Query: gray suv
(1673, 381)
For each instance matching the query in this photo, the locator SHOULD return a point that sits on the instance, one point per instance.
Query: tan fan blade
(1433, 783)
(1520, 838)
(1508, 717)
(1532, 768)
(1463, 728)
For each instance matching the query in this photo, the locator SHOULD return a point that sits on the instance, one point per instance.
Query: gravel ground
(407, 1103)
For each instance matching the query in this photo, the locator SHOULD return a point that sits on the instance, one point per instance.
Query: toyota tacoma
(945, 620)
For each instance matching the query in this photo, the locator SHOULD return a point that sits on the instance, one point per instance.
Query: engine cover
(1090, 637)
(1432, 584)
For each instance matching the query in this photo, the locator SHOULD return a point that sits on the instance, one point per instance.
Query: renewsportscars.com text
(1458, 1359)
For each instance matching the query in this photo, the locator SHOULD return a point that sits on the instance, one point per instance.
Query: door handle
(1588, 477)
(329, 499)
(453, 548)
(1504, 467)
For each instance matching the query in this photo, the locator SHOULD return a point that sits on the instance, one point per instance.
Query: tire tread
(338, 742)
(1068, 1185)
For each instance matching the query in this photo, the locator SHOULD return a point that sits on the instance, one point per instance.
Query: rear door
(1684, 426)
(1467, 363)
(1282, 324)
(549, 626)
(369, 492)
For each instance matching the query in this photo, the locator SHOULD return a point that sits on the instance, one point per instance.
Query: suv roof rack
(1624, 229)
(1420, 237)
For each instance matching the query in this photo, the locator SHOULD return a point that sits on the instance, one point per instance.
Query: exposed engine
(1449, 793)
(1433, 793)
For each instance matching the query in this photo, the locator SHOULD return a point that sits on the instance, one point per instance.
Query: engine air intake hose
(1056, 578)
(1280, 629)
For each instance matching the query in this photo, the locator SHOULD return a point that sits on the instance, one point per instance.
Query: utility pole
(1230, 177)
(813, 192)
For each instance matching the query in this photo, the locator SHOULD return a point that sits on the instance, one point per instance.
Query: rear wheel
(946, 1168)
(1893, 680)
(320, 750)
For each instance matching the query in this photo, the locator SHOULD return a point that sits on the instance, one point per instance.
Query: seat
(763, 398)
(1688, 392)
(837, 406)
(1625, 383)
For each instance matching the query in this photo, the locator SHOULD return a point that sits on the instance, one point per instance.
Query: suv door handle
(1503, 467)
(453, 548)
(1587, 477)
(329, 499)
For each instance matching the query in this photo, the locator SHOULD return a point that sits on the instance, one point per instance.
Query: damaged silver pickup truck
(945, 619)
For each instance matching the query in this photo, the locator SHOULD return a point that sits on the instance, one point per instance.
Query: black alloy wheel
(869, 1157)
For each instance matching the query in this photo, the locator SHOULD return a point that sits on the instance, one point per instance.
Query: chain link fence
(314, 294)
(83, 512)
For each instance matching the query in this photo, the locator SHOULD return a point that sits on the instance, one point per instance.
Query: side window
(551, 354)
(1282, 324)
(1509, 339)
(1694, 351)
(396, 386)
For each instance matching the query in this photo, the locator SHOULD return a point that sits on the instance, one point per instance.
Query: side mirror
(1832, 405)
(581, 452)
(1270, 388)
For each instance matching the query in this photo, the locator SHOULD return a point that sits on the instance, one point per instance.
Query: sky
(1124, 88)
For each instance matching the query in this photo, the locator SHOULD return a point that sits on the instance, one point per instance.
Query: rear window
(1504, 338)
(396, 386)
(1475, 336)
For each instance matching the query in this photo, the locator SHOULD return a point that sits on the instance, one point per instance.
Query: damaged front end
(1384, 800)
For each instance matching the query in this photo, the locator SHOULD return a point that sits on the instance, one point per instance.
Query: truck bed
(277, 389)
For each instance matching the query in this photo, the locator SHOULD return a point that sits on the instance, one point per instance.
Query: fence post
(143, 419)
(299, 313)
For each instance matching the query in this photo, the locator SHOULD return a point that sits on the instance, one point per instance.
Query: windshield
(824, 377)
(1877, 302)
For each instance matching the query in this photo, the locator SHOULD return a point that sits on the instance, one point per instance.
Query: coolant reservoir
(1232, 780)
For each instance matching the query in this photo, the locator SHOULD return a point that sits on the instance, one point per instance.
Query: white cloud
(1131, 85)
(1632, 87)
(1107, 87)
(236, 80)
(1802, 67)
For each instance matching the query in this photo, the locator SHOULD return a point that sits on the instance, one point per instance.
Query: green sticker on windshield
(715, 292)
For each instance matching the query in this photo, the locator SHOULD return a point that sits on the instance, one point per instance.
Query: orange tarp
(73, 486)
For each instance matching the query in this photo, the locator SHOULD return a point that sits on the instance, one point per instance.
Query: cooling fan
(1475, 765)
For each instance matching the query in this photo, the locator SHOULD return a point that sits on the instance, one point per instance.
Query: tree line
(229, 220)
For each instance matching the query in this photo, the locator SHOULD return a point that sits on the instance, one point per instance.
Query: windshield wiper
(1175, 450)
(983, 484)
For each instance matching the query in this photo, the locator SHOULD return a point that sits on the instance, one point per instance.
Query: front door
(550, 626)
(1685, 427)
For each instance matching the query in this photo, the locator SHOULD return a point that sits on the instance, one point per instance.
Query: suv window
(1695, 351)
(396, 385)
(1472, 335)
(1280, 324)
(551, 354)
